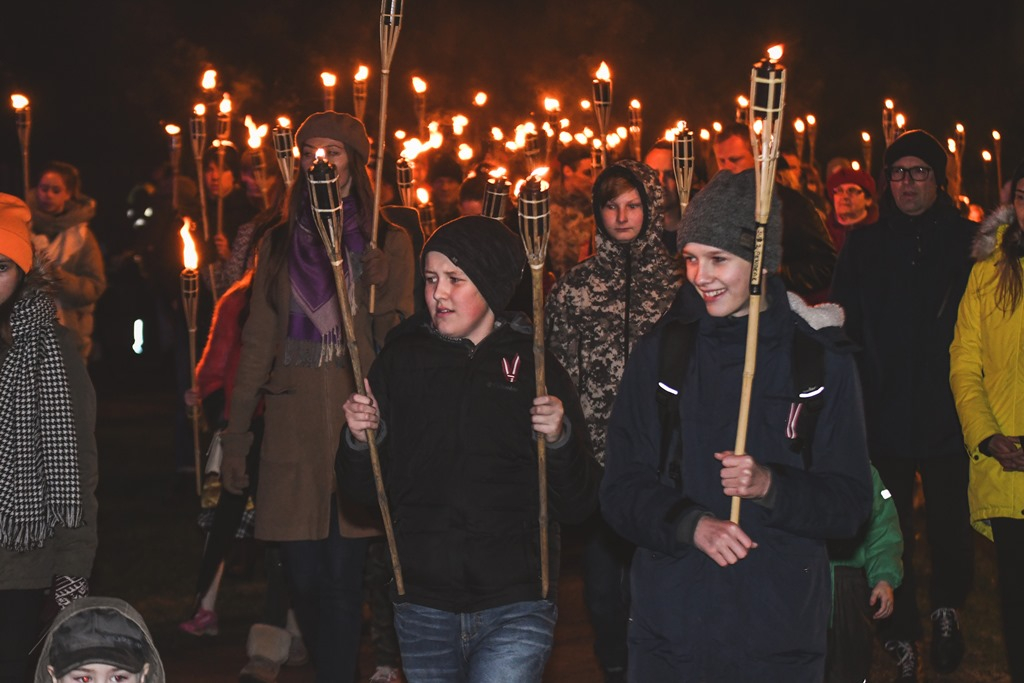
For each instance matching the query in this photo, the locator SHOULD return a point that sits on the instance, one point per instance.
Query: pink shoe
(204, 623)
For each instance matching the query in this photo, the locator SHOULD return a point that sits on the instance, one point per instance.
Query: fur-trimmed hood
(987, 238)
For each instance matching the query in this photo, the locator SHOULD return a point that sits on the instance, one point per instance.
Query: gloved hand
(67, 589)
(375, 267)
(235, 447)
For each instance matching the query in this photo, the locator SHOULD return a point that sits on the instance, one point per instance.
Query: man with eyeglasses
(572, 210)
(853, 201)
(900, 282)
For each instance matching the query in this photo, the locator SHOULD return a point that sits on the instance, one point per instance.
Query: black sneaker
(947, 640)
(908, 664)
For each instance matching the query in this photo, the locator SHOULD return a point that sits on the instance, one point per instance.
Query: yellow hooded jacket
(987, 377)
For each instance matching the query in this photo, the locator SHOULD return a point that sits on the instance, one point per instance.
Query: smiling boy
(712, 600)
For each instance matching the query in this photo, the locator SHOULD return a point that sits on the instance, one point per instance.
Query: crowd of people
(888, 353)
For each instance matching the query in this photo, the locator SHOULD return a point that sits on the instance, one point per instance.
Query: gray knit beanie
(722, 215)
(489, 253)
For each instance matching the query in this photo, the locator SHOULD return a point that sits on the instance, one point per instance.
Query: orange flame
(799, 125)
(172, 129)
(329, 79)
(498, 172)
(422, 195)
(419, 85)
(209, 80)
(603, 73)
(865, 136)
(986, 155)
(634, 104)
(200, 110)
(465, 152)
(188, 254)
(775, 53)
(705, 134)
(996, 136)
(742, 101)
(362, 73)
(959, 128)
(225, 104)
(951, 144)
(284, 122)
(19, 101)
(551, 104)
(400, 134)
(811, 121)
(480, 99)
(889, 104)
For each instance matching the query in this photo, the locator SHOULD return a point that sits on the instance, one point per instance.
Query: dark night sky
(104, 76)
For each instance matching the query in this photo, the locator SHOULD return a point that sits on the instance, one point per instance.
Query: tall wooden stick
(23, 114)
(390, 26)
(327, 214)
(767, 94)
(534, 219)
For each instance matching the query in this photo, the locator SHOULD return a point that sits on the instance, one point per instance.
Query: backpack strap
(674, 354)
(808, 368)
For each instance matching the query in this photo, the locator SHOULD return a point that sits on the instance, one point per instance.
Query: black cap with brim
(98, 636)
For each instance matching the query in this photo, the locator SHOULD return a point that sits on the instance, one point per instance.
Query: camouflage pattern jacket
(605, 304)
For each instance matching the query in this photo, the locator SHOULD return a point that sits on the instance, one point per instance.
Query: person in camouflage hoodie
(594, 315)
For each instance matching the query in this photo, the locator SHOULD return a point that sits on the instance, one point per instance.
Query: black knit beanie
(490, 254)
(918, 143)
(722, 215)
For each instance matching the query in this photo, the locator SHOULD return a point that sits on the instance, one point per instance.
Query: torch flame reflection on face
(188, 254)
(19, 101)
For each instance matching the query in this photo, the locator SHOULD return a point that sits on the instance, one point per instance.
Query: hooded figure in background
(595, 314)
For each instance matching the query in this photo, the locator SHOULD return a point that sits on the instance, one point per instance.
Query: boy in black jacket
(453, 399)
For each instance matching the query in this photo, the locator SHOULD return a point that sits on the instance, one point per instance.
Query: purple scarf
(315, 315)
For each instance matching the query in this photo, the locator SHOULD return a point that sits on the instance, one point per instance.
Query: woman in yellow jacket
(987, 376)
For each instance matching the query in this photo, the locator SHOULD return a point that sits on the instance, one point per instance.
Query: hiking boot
(908, 664)
(947, 640)
(204, 623)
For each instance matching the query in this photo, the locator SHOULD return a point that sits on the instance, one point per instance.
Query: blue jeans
(325, 579)
(508, 644)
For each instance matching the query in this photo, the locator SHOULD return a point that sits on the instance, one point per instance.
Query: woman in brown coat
(294, 357)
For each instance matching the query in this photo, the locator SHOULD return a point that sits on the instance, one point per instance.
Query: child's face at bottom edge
(100, 673)
(456, 306)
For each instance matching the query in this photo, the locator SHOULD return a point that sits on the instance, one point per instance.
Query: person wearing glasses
(901, 281)
(853, 201)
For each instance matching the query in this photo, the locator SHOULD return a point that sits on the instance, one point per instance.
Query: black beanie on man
(490, 254)
(920, 144)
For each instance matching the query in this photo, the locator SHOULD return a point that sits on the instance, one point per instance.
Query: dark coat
(764, 618)
(459, 461)
(900, 282)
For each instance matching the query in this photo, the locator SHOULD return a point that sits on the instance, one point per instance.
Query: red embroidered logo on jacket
(510, 368)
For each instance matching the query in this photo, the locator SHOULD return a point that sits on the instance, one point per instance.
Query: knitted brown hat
(15, 231)
(341, 127)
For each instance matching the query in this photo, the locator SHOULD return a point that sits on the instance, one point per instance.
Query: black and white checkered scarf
(39, 487)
